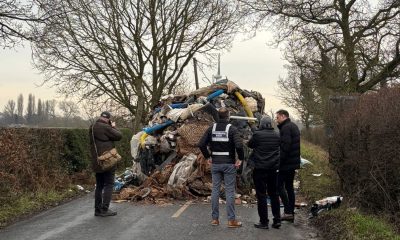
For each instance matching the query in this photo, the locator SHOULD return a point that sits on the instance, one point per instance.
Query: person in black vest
(223, 140)
(290, 161)
(265, 160)
(102, 135)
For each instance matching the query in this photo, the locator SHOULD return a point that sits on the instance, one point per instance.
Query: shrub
(34, 159)
(365, 150)
(316, 135)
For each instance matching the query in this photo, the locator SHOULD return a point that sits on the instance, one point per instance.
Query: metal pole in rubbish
(196, 79)
(243, 118)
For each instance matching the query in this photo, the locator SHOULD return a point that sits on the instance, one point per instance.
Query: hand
(209, 161)
(112, 124)
(238, 163)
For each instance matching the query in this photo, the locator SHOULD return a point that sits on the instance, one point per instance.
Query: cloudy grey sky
(251, 64)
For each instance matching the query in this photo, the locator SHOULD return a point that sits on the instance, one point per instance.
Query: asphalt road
(75, 220)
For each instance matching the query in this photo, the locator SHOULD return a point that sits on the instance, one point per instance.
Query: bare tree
(298, 91)
(50, 109)
(20, 108)
(30, 110)
(19, 20)
(69, 109)
(367, 39)
(130, 51)
(314, 73)
(10, 112)
(92, 109)
(40, 111)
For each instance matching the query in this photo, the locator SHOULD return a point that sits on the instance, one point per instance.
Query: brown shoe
(234, 224)
(215, 222)
(287, 217)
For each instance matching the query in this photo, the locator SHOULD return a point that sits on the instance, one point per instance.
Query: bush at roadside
(346, 222)
(365, 151)
(40, 166)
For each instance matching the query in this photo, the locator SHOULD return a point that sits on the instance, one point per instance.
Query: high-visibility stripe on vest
(220, 136)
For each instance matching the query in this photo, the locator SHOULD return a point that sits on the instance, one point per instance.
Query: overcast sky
(252, 64)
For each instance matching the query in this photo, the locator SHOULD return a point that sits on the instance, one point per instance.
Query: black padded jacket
(265, 144)
(290, 145)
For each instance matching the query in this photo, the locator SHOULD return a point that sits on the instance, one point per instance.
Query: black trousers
(266, 181)
(104, 190)
(286, 190)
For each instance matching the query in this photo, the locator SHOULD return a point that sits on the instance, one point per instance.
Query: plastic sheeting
(174, 114)
(135, 144)
(189, 112)
(182, 171)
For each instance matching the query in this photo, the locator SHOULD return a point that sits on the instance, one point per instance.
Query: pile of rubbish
(167, 164)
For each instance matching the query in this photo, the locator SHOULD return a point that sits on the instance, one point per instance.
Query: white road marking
(180, 210)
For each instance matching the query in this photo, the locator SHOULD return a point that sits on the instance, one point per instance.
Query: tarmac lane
(179, 221)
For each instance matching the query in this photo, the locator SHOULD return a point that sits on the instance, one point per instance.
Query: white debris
(182, 171)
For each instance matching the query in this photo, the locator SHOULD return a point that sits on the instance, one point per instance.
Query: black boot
(104, 212)
(97, 212)
(276, 224)
(107, 213)
(261, 225)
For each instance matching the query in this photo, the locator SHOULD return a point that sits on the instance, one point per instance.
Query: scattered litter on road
(325, 205)
(304, 162)
(300, 204)
(317, 174)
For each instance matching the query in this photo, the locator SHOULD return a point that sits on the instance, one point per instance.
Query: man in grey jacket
(103, 133)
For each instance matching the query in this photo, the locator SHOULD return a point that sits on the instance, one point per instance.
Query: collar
(102, 121)
(223, 121)
(284, 122)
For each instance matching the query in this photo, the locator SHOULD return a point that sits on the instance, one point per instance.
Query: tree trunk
(137, 123)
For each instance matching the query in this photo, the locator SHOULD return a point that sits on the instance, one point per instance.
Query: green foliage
(31, 202)
(76, 153)
(372, 228)
(353, 225)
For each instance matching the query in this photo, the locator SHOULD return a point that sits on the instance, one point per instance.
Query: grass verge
(26, 204)
(341, 223)
(313, 187)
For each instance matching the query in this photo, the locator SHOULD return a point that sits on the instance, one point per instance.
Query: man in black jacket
(223, 139)
(102, 136)
(290, 161)
(265, 160)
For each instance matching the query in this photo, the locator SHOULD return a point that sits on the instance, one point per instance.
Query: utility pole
(218, 77)
(196, 79)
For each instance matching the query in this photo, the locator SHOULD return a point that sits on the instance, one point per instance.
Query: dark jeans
(104, 189)
(266, 181)
(286, 190)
